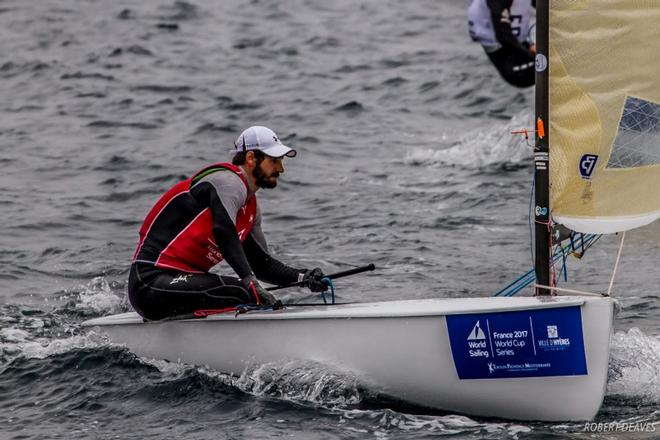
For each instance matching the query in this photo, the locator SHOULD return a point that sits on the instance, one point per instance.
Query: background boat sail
(532, 358)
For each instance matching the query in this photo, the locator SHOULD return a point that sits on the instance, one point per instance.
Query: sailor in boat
(211, 216)
(502, 27)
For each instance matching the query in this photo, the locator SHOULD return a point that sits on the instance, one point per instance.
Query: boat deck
(385, 309)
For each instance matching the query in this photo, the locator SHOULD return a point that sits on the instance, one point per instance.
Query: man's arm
(223, 210)
(273, 271)
(266, 267)
(500, 14)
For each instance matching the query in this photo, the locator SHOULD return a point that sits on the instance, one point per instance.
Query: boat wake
(304, 381)
(357, 409)
(492, 146)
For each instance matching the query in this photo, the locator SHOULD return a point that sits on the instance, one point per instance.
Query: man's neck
(250, 179)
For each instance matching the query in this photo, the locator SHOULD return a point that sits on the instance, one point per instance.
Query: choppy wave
(405, 160)
(634, 362)
(481, 147)
(98, 298)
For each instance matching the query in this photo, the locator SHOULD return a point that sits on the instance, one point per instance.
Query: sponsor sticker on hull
(526, 343)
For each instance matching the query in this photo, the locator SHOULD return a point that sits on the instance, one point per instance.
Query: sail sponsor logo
(587, 165)
(541, 211)
(541, 62)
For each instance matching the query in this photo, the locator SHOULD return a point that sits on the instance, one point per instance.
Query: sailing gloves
(257, 291)
(311, 278)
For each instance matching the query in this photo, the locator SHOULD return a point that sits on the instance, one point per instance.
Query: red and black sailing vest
(178, 231)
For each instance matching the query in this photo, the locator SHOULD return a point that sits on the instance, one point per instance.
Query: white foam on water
(41, 349)
(300, 381)
(171, 370)
(15, 342)
(481, 148)
(99, 297)
(339, 392)
(386, 422)
(634, 361)
(13, 335)
(43, 336)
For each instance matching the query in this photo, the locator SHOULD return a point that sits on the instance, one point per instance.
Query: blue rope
(328, 282)
(560, 253)
(531, 247)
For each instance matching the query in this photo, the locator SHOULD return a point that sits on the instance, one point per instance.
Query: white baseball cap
(263, 139)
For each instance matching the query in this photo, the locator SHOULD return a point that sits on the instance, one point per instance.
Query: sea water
(405, 160)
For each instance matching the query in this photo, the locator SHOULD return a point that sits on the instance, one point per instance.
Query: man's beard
(260, 178)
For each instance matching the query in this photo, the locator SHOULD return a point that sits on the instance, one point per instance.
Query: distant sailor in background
(209, 217)
(503, 28)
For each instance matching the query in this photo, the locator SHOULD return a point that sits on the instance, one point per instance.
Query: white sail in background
(605, 114)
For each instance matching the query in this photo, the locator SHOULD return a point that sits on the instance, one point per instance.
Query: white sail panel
(604, 114)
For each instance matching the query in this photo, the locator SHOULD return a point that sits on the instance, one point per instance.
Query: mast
(541, 157)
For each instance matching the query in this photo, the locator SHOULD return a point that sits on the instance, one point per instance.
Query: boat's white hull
(401, 348)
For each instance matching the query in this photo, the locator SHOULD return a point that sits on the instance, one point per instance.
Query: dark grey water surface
(405, 160)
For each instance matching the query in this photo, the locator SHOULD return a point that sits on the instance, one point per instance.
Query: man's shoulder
(223, 175)
(226, 181)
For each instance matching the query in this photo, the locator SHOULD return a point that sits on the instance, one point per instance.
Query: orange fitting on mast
(540, 128)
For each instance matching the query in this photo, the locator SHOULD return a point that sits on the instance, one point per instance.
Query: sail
(604, 112)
